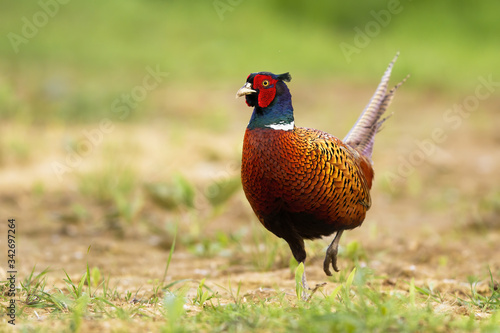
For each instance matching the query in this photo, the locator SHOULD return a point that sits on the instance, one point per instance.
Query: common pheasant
(303, 183)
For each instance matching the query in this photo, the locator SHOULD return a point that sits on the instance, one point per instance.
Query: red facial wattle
(267, 89)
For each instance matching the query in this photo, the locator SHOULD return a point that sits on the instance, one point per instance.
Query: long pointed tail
(362, 134)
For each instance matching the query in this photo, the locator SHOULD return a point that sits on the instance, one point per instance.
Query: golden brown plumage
(306, 170)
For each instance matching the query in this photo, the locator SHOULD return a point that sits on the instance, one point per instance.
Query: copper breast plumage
(305, 171)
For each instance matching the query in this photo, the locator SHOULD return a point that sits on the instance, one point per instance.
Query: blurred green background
(87, 53)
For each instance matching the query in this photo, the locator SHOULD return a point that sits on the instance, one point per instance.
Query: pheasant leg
(331, 254)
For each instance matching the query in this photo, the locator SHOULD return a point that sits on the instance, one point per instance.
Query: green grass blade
(350, 278)
(88, 279)
(335, 292)
(412, 292)
(172, 248)
(299, 288)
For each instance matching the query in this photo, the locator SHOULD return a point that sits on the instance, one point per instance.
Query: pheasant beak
(245, 90)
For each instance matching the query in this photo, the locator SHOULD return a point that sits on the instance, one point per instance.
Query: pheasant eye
(265, 83)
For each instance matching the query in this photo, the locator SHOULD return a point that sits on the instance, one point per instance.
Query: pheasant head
(271, 99)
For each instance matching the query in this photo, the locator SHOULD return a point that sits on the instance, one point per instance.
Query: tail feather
(366, 145)
(362, 134)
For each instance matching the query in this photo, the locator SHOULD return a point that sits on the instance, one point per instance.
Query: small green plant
(95, 276)
(333, 295)
(208, 246)
(345, 291)
(354, 251)
(32, 284)
(75, 290)
(202, 295)
(36, 294)
(176, 194)
(489, 302)
(220, 192)
(235, 296)
(429, 292)
(127, 206)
